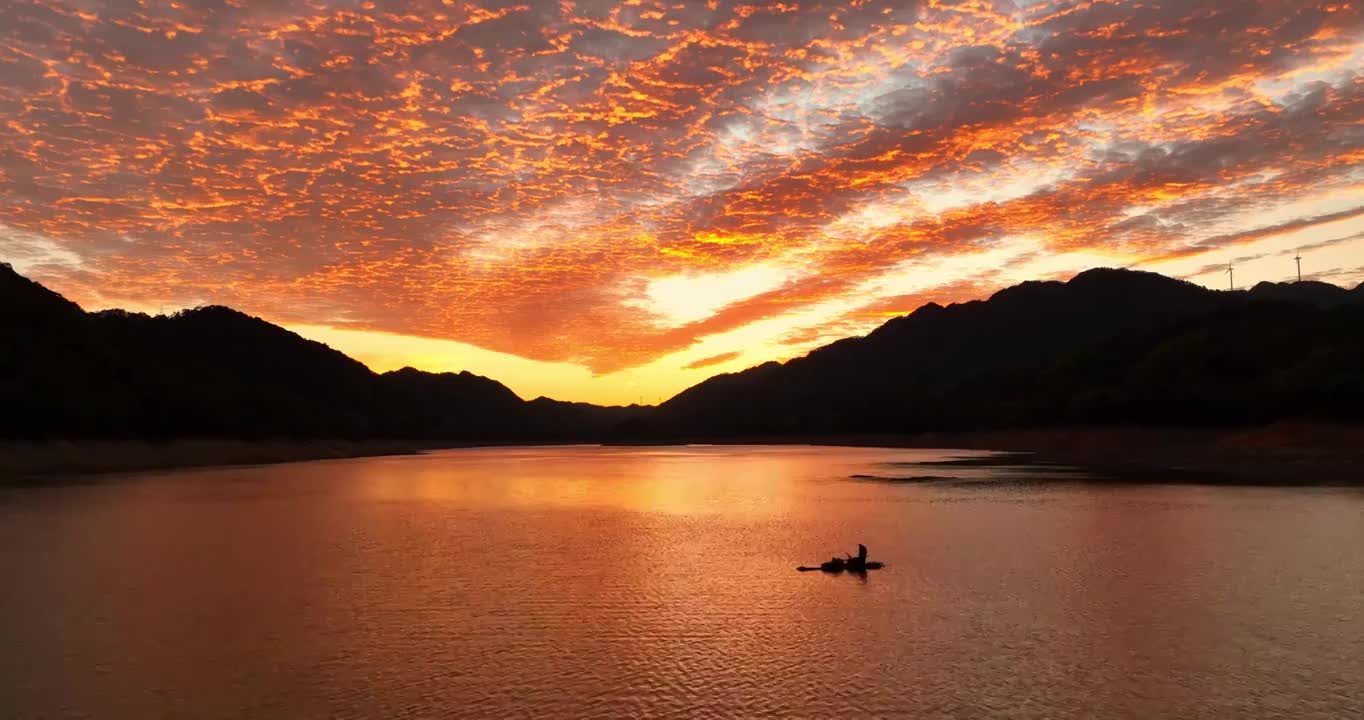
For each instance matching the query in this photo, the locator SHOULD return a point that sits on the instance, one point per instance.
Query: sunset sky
(610, 201)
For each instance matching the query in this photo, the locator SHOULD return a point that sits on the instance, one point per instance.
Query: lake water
(660, 582)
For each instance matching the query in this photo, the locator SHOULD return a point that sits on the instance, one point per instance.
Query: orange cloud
(712, 360)
(519, 176)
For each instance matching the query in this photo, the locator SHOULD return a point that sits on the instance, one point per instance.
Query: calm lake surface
(660, 582)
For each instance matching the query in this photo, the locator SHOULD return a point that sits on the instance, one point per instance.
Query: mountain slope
(1108, 347)
(1094, 349)
(216, 372)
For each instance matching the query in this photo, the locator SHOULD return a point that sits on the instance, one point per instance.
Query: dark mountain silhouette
(1108, 347)
(449, 405)
(1308, 291)
(216, 372)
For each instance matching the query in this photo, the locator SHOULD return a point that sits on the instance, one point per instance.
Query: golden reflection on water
(601, 582)
(675, 482)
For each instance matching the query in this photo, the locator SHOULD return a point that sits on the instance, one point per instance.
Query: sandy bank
(21, 461)
(1280, 454)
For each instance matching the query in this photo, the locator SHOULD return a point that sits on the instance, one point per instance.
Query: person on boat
(859, 562)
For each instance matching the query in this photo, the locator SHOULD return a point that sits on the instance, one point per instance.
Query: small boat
(841, 566)
(837, 565)
(857, 564)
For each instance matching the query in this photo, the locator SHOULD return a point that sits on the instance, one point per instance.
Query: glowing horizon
(609, 202)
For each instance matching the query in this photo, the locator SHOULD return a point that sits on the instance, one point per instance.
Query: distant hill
(1308, 291)
(216, 372)
(1107, 347)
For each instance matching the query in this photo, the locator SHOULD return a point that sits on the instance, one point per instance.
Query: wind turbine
(1298, 257)
(1231, 278)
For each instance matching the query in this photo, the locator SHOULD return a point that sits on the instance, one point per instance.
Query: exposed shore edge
(29, 462)
(1284, 454)
(1289, 454)
(1281, 454)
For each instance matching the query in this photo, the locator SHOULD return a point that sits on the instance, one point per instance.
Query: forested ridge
(1107, 348)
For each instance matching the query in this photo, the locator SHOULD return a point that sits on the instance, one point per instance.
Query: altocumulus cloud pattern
(609, 183)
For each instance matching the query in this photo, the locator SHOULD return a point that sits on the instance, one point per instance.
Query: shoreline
(1283, 454)
(37, 462)
(63, 460)
(1288, 454)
